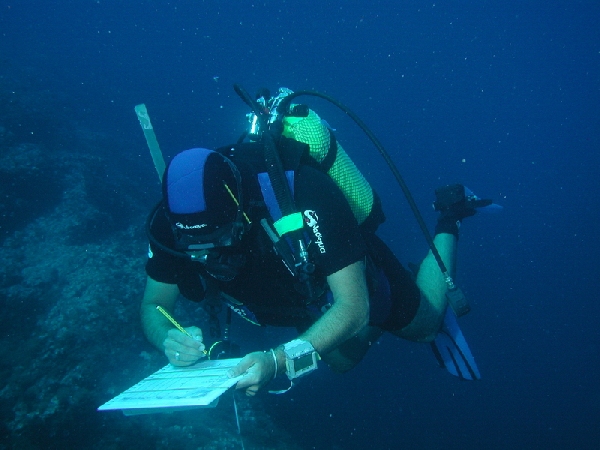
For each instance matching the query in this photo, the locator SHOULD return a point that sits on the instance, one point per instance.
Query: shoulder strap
(331, 153)
(282, 246)
(327, 162)
(266, 189)
(283, 224)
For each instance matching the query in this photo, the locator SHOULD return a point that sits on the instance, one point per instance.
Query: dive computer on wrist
(300, 358)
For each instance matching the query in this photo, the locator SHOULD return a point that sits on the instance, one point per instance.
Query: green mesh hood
(310, 130)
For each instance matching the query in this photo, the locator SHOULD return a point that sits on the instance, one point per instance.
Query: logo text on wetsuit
(189, 227)
(312, 220)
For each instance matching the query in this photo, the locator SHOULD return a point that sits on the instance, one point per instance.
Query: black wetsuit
(265, 286)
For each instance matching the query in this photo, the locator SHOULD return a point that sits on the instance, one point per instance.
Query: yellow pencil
(174, 322)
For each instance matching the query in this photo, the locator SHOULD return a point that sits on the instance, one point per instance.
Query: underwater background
(502, 96)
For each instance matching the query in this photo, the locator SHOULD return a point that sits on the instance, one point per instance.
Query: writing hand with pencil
(183, 346)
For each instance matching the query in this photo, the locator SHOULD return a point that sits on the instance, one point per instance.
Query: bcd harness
(281, 231)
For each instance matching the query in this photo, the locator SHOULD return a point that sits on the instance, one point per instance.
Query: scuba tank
(278, 116)
(325, 152)
(332, 159)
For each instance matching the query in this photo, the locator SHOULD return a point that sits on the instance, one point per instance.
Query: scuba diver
(280, 228)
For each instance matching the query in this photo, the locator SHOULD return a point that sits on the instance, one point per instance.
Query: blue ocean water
(499, 95)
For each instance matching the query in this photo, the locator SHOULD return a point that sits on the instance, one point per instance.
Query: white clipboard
(176, 388)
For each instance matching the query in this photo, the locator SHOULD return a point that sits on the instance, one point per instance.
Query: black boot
(454, 205)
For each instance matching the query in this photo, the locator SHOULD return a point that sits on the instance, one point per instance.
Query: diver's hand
(182, 350)
(257, 368)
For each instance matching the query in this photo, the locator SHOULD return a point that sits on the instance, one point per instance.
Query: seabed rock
(71, 276)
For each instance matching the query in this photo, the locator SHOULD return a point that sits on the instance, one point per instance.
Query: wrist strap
(276, 364)
(283, 391)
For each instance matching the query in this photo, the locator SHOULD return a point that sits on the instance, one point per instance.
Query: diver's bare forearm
(349, 313)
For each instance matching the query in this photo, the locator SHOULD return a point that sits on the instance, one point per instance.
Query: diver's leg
(455, 203)
(428, 320)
